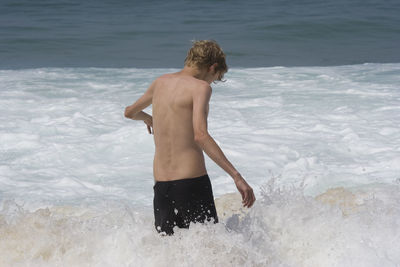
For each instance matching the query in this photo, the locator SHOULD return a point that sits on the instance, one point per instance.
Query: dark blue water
(154, 33)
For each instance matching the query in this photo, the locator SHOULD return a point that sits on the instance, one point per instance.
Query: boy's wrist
(146, 116)
(237, 176)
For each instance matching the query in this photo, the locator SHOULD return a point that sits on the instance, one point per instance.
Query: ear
(213, 67)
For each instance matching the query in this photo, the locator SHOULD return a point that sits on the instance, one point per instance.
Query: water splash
(357, 226)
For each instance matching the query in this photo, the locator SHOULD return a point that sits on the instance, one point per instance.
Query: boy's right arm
(201, 100)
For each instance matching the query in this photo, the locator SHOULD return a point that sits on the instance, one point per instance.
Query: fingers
(242, 193)
(249, 198)
(149, 129)
(247, 193)
(252, 199)
(245, 197)
(149, 124)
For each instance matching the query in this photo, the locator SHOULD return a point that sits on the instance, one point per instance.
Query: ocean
(309, 114)
(157, 34)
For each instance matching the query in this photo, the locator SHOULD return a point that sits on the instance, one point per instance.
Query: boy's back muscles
(177, 155)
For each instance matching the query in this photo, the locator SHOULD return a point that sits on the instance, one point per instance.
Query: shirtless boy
(182, 190)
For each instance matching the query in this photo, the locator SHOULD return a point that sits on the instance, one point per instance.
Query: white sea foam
(76, 176)
(342, 227)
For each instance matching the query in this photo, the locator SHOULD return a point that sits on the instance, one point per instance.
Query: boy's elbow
(200, 136)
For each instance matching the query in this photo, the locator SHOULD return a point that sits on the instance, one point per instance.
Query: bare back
(177, 156)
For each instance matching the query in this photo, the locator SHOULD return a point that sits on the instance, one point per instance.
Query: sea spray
(284, 228)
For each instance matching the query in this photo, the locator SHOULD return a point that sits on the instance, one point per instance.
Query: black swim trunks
(180, 202)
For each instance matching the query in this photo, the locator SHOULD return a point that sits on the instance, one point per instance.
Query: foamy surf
(341, 227)
(76, 177)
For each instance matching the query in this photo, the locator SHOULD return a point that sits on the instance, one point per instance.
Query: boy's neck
(195, 72)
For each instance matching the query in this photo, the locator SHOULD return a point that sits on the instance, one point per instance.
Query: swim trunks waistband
(205, 176)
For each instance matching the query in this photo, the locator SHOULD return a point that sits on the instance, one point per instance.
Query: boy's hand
(246, 191)
(149, 122)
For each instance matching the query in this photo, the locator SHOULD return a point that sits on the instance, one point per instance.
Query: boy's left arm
(135, 112)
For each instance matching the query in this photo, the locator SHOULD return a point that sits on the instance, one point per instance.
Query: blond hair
(205, 53)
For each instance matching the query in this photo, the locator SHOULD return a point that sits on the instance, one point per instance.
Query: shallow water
(343, 227)
(320, 146)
